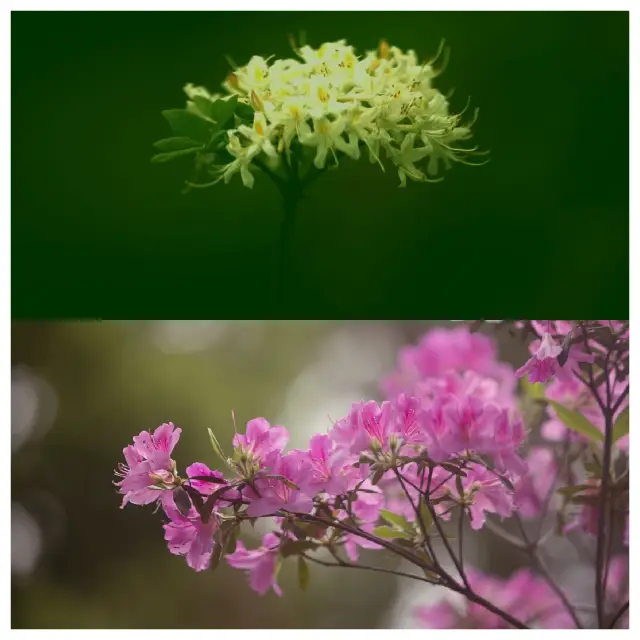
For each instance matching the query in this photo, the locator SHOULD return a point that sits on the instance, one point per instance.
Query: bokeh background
(98, 231)
(81, 390)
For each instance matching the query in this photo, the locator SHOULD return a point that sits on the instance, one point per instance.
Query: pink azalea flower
(367, 507)
(489, 495)
(366, 424)
(199, 469)
(331, 469)
(260, 563)
(535, 486)
(148, 462)
(407, 425)
(523, 595)
(274, 494)
(543, 365)
(261, 439)
(353, 544)
(438, 423)
(452, 361)
(188, 536)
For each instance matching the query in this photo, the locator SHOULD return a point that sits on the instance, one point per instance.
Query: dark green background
(97, 231)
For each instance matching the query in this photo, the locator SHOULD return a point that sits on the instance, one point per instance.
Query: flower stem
(290, 199)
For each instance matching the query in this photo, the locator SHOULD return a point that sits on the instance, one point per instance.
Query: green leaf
(574, 489)
(389, 533)
(244, 111)
(204, 106)
(535, 391)
(425, 514)
(216, 446)
(187, 124)
(165, 157)
(303, 573)
(576, 422)
(621, 427)
(176, 144)
(396, 520)
(222, 111)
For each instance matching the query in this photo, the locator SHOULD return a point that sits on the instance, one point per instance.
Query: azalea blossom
(543, 365)
(261, 564)
(149, 467)
(188, 536)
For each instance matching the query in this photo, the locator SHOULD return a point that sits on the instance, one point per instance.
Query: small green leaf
(204, 106)
(188, 124)
(425, 514)
(576, 422)
(574, 489)
(172, 155)
(176, 144)
(396, 520)
(621, 427)
(592, 500)
(222, 111)
(303, 573)
(216, 446)
(389, 533)
(535, 391)
(244, 111)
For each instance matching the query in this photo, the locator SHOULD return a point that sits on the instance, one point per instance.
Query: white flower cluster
(333, 102)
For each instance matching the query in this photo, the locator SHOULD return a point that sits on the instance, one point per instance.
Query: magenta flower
(543, 365)
(261, 439)
(260, 563)
(407, 425)
(274, 494)
(445, 361)
(523, 595)
(487, 492)
(188, 536)
(148, 465)
(535, 486)
(353, 543)
(331, 468)
(367, 424)
(367, 507)
(206, 488)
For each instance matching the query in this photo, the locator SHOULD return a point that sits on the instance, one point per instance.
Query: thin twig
(621, 611)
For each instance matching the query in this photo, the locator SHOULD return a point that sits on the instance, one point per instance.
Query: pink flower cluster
(448, 433)
(524, 596)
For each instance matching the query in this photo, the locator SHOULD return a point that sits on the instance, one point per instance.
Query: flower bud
(256, 102)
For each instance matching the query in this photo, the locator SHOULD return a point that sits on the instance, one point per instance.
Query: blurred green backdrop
(97, 231)
(81, 390)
